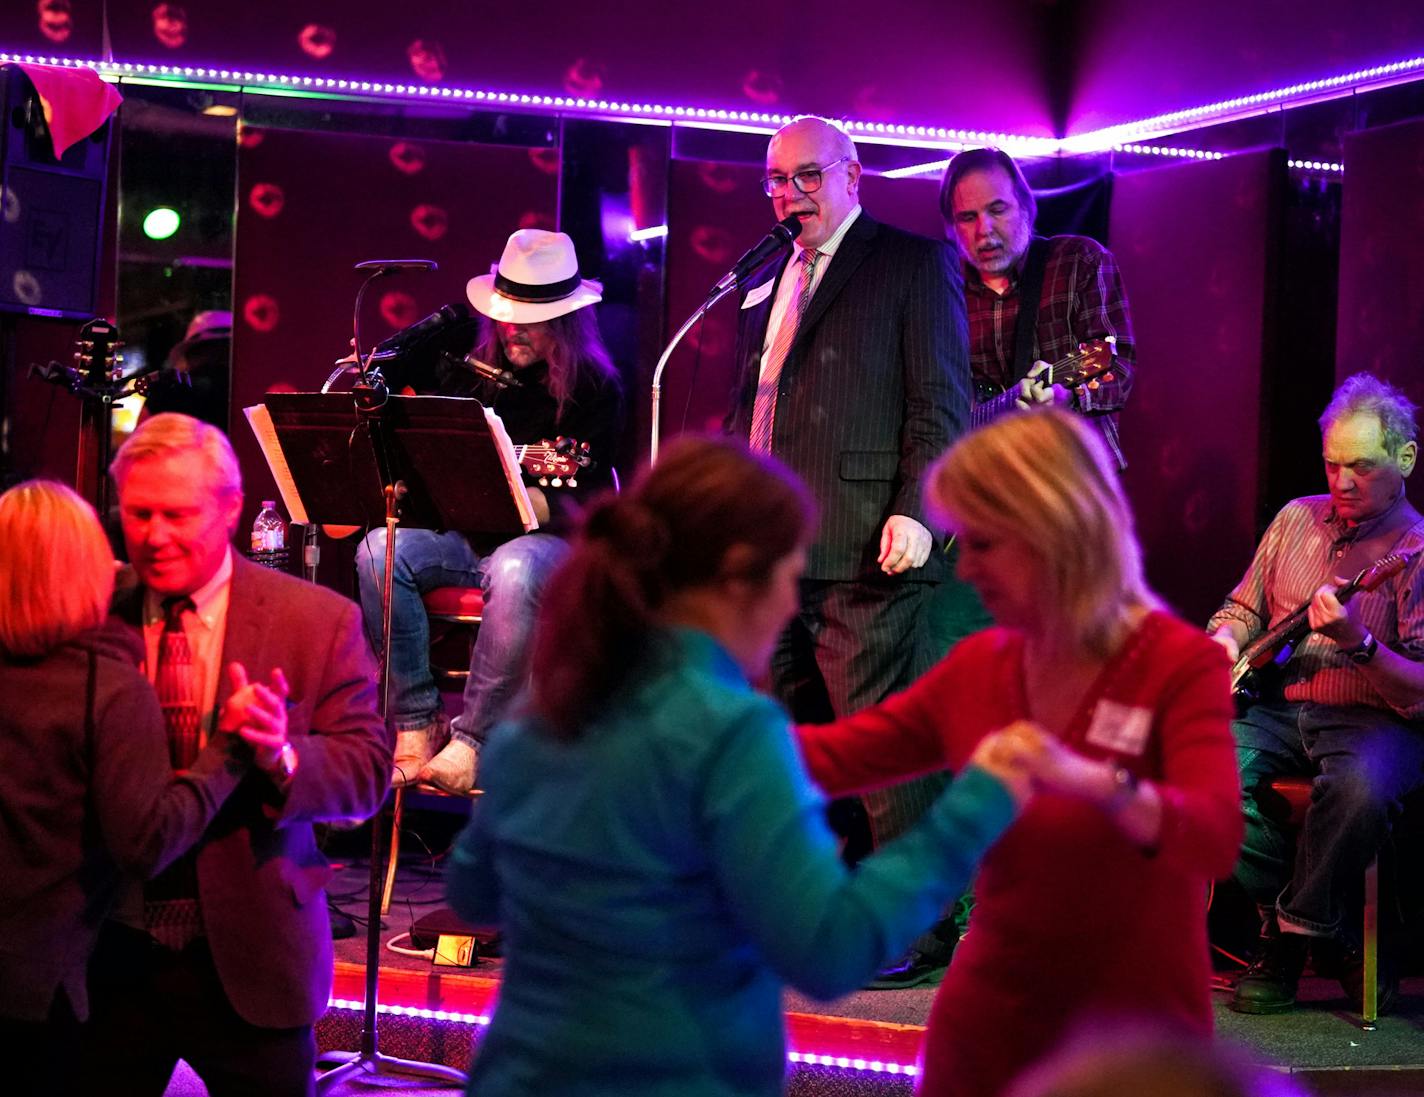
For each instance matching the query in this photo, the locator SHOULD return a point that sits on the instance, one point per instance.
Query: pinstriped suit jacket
(874, 388)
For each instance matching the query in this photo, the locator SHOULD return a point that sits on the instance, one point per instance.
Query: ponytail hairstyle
(669, 532)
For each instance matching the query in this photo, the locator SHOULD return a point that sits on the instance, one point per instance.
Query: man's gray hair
(171, 433)
(1365, 394)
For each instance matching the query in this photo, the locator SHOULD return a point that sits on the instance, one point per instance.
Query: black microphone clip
(386, 266)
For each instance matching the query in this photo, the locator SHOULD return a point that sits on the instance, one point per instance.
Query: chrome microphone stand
(370, 397)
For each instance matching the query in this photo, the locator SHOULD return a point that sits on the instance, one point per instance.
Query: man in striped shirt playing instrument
(1351, 711)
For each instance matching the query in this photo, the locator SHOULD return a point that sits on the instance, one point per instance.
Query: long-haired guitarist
(536, 357)
(1350, 714)
(1034, 302)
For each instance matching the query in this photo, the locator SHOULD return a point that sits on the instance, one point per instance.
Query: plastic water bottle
(269, 536)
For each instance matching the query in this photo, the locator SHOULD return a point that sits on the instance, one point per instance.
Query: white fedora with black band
(537, 278)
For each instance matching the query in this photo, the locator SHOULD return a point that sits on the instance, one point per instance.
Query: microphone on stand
(502, 378)
(446, 316)
(384, 265)
(771, 245)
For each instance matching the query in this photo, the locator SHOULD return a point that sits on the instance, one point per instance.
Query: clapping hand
(257, 712)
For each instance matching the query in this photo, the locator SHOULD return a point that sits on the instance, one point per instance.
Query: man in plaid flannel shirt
(990, 211)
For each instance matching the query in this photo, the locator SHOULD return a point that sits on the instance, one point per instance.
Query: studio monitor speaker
(51, 209)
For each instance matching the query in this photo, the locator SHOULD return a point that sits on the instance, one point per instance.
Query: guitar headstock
(1387, 567)
(557, 463)
(1093, 362)
(96, 353)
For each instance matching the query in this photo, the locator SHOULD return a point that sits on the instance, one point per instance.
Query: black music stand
(446, 464)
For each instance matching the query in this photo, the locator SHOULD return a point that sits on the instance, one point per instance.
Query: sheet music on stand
(453, 453)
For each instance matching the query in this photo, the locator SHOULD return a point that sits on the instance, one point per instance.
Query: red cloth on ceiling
(76, 101)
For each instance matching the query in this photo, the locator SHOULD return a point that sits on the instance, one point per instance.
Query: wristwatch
(1124, 788)
(285, 767)
(1364, 651)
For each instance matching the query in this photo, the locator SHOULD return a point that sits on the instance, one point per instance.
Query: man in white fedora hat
(538, 360)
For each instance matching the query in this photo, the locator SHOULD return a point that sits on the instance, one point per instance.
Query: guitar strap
(1030, 296)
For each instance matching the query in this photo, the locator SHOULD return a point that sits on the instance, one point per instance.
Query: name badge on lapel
(1121, 729)
(758, 295)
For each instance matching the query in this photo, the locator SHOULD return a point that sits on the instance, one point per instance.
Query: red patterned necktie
(764, 407)
(176, 683)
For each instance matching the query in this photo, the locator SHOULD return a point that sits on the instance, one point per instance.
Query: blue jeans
(512, 578)
(1363, 762)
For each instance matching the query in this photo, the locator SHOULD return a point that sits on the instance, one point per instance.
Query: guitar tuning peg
(571, 482)
(558, 482)
(543, 481)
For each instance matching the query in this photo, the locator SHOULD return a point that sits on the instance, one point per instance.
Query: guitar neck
(994, 407)
(1066, 372)
(1288, 631)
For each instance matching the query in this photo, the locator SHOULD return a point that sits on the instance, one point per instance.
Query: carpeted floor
(1321, 1042)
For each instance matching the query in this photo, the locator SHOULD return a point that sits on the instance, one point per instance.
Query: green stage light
(161, 223)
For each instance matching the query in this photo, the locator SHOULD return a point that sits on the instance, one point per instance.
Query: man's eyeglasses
(807, 182)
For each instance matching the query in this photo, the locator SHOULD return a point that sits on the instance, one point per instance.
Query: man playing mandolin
(540, 363)
(1067, 287)
(1348, 709)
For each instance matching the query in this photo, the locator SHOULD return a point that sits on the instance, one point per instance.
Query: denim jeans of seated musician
(1363, 761)
(512, 578)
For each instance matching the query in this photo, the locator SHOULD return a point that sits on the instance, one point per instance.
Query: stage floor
(1322, 1040)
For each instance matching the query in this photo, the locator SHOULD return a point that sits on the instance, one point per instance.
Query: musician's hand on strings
(1334, 619)
(1227, 639)
(904, 544)
(1033, 391)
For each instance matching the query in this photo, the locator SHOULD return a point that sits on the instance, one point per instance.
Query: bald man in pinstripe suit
(854, 370)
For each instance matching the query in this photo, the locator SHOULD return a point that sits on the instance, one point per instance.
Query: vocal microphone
(398, 264)
(503, 378)
(770, 246)
(447, 315)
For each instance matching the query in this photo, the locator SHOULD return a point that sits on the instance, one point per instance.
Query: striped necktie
(175, 680)
(764, 407)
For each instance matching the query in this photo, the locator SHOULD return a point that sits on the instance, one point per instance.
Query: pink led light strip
(843, 1062)
(1123, 138)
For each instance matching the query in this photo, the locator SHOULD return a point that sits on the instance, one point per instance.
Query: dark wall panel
(1133, 60)
(905, 62)
(1381, 317)
(312, 205)
(1195, 242)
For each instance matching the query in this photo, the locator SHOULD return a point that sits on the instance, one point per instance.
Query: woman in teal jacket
(649, 840)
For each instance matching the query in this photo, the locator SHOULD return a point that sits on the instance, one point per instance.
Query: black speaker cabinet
(51, 210)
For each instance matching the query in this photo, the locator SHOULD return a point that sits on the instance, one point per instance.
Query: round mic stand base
(373, 1063)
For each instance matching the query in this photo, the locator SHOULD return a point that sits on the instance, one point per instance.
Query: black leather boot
(1269, 984)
